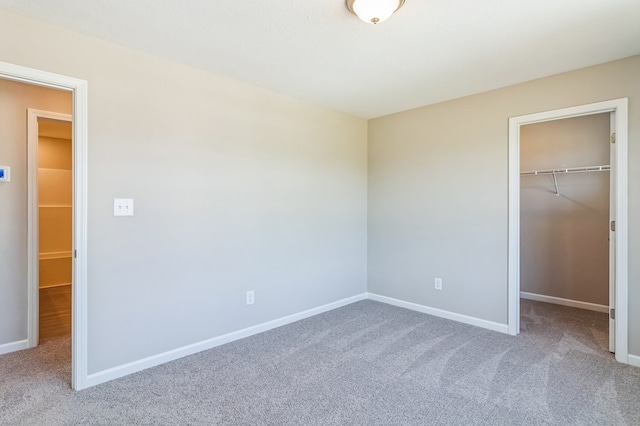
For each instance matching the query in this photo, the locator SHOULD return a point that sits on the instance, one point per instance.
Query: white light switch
(123, 207)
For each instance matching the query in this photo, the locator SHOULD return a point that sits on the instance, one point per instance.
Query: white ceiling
(429, 51)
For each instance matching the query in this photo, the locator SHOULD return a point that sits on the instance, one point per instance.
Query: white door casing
(612, 233)
(619, 267)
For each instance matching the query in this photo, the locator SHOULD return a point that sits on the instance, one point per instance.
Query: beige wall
(236, 188)
(564, 239)
(15, 98)
(438, 191)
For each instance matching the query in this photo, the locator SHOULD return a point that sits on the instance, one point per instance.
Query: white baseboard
(633, 360)
(152, 361)
(14, 346)
(490, 325)
(565, 302)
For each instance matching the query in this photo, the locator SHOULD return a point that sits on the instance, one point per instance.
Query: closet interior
(55, 227)
(565, 207)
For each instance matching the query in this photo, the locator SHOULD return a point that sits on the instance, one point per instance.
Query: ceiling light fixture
(374, 11)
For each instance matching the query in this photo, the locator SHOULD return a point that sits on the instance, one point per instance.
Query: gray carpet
(364, 364)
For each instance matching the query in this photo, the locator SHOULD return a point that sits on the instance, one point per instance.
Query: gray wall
(564, 240)
(15, 98)
(438, 191)
(236, 188)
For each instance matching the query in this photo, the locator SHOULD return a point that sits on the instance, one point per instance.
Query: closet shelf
(54, 255)
(54, 169)
(566, 170)
(44, 287)
(55, 206)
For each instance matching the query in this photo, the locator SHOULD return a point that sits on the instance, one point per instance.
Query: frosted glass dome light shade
(374, 11)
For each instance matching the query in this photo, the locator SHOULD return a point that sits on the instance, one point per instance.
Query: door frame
(33, 214)
(620, 108)
(78, 89)
(612, 234)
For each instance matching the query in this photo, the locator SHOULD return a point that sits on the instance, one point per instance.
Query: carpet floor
(364, 364)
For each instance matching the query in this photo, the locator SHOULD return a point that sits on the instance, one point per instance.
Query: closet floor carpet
(364, 364)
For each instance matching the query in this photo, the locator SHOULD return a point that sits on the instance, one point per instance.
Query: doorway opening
(617, 259)
(50, 172)
(565, 210)
(78, 91)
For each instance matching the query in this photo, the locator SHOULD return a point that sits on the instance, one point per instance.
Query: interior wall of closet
(564, 196)
(55, 227)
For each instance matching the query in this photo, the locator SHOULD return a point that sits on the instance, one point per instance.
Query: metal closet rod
(604, 168)
(566, 170)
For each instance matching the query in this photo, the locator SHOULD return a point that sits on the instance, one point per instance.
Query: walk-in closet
(565, 211)
(55, 221)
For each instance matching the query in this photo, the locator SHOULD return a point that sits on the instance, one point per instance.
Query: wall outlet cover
(437, 283)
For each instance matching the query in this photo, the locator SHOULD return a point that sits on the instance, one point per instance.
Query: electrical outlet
(250, 297)
(437, 283)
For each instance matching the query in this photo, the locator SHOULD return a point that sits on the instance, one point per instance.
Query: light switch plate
(123, 206)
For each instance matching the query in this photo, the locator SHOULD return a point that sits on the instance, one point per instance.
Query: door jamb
(78, 89)
(620, 107)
